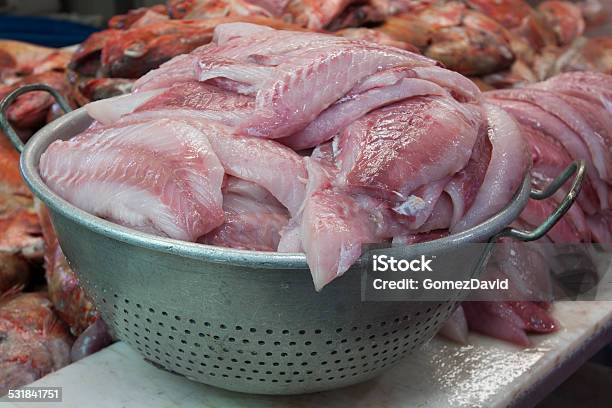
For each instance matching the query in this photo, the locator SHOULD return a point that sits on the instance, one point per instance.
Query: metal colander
(244, 320)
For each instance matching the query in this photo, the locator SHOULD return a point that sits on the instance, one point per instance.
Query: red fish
(33, 341)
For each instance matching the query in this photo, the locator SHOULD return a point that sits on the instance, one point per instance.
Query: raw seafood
(170, 184)
(34, 341)
(132, 52)
(415, 151)
(433, 137)
(253, 218)
(464, 40)
(69, 299)
(19, 230)
(566, 114)
(509, 154)
(411, 141)
(30, 110)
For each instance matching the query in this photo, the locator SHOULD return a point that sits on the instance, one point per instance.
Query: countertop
(486, 373)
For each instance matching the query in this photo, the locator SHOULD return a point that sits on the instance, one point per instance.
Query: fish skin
(33, 341)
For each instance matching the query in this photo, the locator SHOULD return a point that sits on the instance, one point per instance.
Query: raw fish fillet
(591, 86)
(601, 227)
(510, 321)
(160, 177)
(419, 207)
(573, 115)
(267, 163)
(334, 228)
(506, 170)
(253, 218)
(179, 69)
(107, 111)
(204, 103)
(394, 150)
(441, 217)
(280, 108)
(351, 108)
(276, 66)
(463, 187)
(531, 115)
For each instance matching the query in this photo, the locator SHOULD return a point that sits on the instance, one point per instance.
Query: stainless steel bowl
(244, 320)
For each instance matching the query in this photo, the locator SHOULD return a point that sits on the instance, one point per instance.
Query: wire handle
(10, 98)
(578, 168)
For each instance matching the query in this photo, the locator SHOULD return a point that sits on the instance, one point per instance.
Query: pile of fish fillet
(231, 118)
(290, 141)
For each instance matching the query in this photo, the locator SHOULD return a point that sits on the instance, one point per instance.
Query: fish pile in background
(505, 43)
(37, 329)
(499, 43)
(33, 341)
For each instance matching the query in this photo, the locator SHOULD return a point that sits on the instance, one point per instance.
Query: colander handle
(578, 168)
(10, 98)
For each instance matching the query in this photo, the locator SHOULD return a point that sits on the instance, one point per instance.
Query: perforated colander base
(244, 357)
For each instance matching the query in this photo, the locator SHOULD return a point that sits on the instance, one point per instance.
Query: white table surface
(485, 373)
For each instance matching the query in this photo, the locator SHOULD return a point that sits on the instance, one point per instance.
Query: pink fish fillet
(598, 143)
(179, 69)
(346, 111)
(594, 87)
(525, 264)
(203, 101)
(441, 217)
(160, 177)
(420, 205)
(396, 149)
(463, 188)
(110, 110)
(496, 319)
(549, 159)
(267, 163)
(225, 32)
(536, 212)
(276, 65)
(532, 115)
(509, 321)
(507, 168)
(253, 219)
(334, 228)
(601, 227)
(322, 80)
